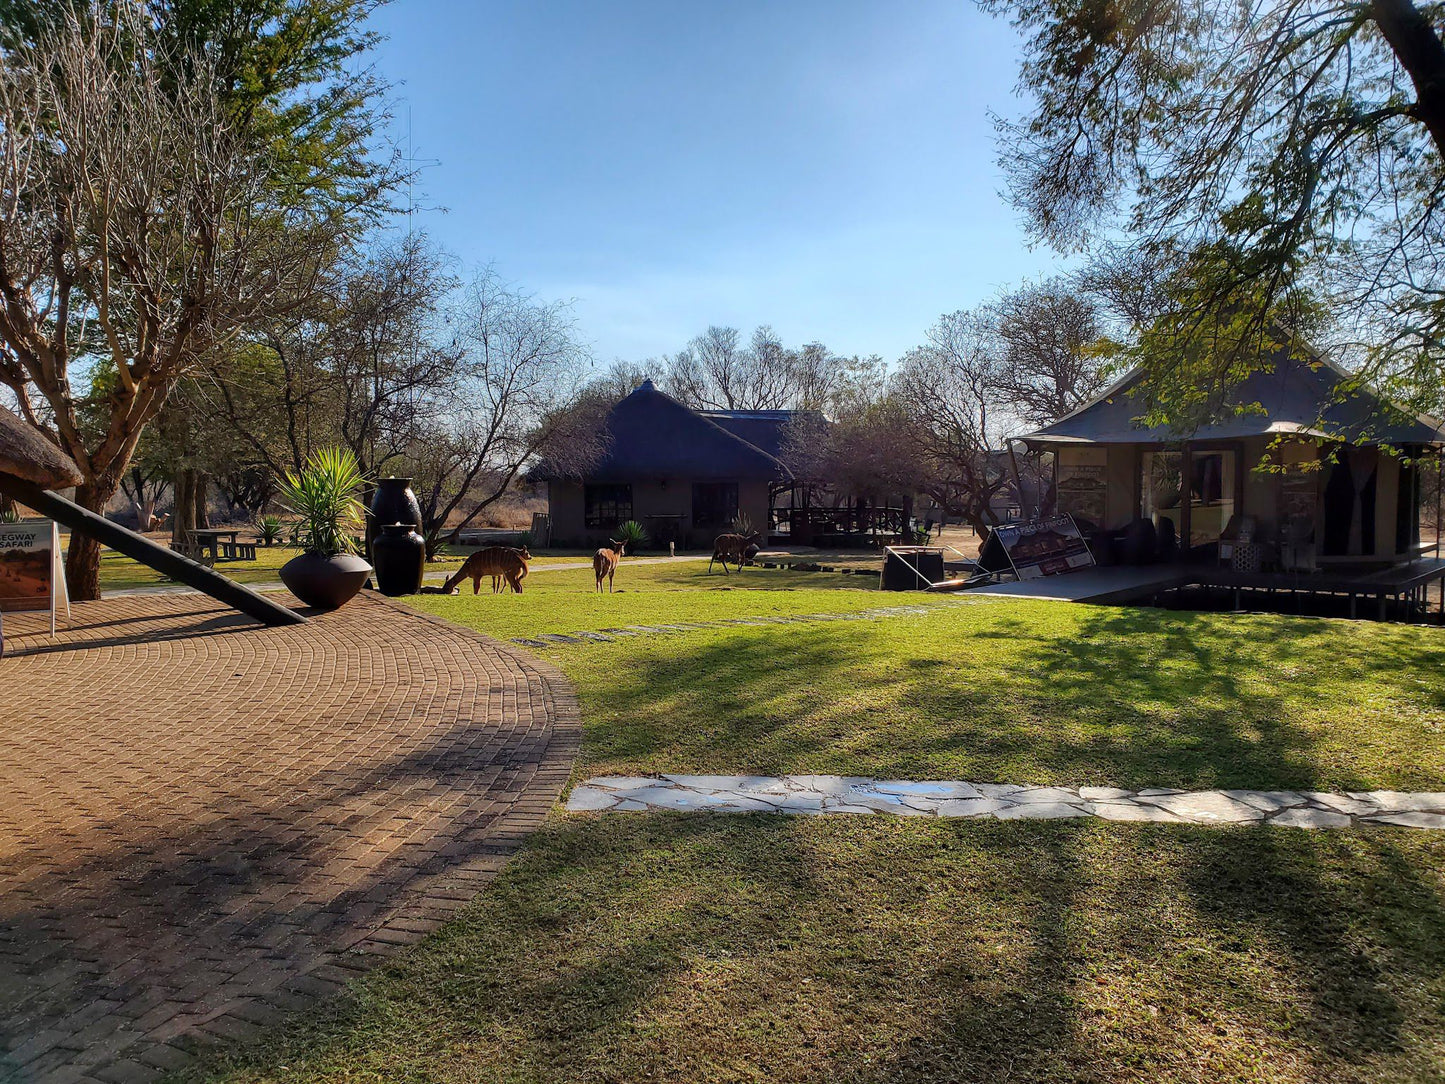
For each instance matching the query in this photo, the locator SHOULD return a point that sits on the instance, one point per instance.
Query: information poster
(1044, 547)
(32, 572)
(1082, 482)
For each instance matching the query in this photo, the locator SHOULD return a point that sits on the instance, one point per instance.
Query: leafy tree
(1267, 161)
(173, 174)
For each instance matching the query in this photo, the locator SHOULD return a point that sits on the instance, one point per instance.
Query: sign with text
(32, 573)
(1044, 547)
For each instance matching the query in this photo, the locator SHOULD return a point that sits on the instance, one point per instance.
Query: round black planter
(325, 582)
(400, 556)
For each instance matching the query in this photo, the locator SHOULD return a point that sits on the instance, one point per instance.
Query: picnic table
(221, 543)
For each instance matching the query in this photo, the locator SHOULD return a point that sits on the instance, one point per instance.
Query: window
(714, 504)
(606, 506)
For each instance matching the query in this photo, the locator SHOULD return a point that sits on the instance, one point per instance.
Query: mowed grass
(862, 950)
(990, 691)
(566, 600)
(685, 948)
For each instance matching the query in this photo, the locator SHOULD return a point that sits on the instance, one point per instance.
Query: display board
(32, 570)
(1043, 547)
(1083, 482)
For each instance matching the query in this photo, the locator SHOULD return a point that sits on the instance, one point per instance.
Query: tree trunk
(183, 511)
(202, 500)
(1421, 53)
(82, 557)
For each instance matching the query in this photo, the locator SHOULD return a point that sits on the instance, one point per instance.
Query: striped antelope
(604, 563)
(503, 564)
(732, 547)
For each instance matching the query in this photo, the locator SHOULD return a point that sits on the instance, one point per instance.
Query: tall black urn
(393, 502)
(399, 554)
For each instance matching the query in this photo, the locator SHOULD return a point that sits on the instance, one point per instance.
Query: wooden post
(1186, 504)
(167, 562)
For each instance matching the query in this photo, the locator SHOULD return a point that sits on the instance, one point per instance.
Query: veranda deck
(1401, 584)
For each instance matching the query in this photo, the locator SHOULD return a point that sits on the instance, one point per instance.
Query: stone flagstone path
(826, 794)
(604, 636)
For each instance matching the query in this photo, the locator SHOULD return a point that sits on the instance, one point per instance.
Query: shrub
(323, 494)
(632, 535)
(268, 530)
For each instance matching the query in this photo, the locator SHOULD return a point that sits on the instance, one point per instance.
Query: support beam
(165, 561)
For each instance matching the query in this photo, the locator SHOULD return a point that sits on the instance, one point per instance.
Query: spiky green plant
(268, 530)
(632, 535)
(323, 494)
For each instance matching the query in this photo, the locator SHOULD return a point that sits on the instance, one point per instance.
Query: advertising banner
(32, 571)
(1044, 547)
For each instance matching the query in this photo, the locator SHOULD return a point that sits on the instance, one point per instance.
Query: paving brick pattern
(205, 824)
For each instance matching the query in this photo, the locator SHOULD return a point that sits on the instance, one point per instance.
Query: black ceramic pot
(400, 556)
(394, 502)
(325, 582)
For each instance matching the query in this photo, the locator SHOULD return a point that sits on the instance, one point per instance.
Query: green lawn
(760, 948)
(990, 691)
(650, 594)
(661, 947)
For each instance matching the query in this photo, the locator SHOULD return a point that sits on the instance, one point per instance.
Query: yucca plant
(268, 530)
(323, 494)
(632, 535)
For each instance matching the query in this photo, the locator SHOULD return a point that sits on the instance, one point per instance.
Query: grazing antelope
(604, 563)
(733, 547)
(501, 563)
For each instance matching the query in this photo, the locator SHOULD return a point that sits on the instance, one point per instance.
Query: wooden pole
(142, 549)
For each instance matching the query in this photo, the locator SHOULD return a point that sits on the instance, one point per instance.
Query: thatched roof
(1308, 398)
(765, 429)
(27, 453)
(651, 436)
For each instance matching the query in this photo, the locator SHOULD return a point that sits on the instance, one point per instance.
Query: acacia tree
(1259, 152)
(146, 218)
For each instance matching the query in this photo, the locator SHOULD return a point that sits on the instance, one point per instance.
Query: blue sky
(824, 167)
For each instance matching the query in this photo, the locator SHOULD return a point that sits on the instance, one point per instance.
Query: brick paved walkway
(205, 824)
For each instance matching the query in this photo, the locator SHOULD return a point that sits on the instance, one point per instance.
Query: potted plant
(323, 493)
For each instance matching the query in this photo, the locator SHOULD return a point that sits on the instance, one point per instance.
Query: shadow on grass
(1072, 695)
(667, 947)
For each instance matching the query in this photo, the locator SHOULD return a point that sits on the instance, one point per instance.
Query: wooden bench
(238, 551)
(196, 551)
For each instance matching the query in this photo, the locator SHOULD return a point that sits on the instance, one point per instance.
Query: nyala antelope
(733, 547)
(505, 566)
(604, 563)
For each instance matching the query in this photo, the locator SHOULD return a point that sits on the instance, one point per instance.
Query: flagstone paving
(828, 794)
(205, 824)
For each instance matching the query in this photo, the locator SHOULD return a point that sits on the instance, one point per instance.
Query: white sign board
(32, 570)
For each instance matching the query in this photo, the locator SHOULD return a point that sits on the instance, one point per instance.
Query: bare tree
(716, 372)
(514, 398)
(1052, 360)
(948, 388)
(136, 236)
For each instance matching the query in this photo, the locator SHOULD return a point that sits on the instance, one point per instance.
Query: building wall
(1266, 495)
(673, 497)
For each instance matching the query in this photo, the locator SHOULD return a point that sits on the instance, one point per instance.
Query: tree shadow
(243, 907)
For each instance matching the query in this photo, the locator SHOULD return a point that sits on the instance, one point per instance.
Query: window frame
(606, 505)
(728, 490)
